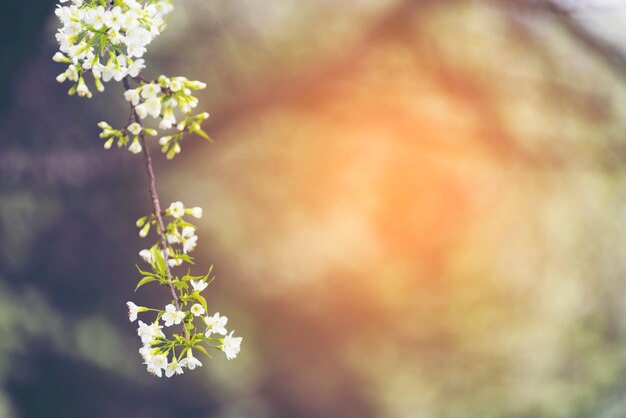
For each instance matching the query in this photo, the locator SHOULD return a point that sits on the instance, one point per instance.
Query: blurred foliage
(415, 209)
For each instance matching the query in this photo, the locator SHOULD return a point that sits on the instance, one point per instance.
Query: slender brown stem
(156, 205)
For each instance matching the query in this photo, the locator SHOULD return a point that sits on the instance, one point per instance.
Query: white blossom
(149, 332)
(150, 90)
(198, 285)
(132, 311)
(177, 209)
(146, 352)
(113, 18)
(142, 111)
(231, 346)
(156, 364)
(136, 40)
(190, 362)
(135, 68)
(95, 17)
(216, 324)
(134, 128)
(173, 368)
(172, 315)
(172, 237)
(190, 244)
(159, 361)
(188, 231)
(132, 96)
(153, 106)
(174, 262)
(147, 256)
(197, 309)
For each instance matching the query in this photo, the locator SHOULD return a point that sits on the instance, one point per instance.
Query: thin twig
(156, 204)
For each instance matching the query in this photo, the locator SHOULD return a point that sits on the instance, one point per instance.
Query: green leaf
(186, 258)
(145, 280)
(182, 353)
(144, 273)
(160, 263)
(203, 350)
(195, 128)
(103, 41)
(180, 285)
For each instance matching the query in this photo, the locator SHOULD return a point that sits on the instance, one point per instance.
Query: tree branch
(156, 204)
(611, 55)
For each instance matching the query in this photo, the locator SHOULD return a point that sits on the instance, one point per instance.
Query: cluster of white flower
(159, 99)
(180, 235)
(181, 239)
(123, 136)
(156, 347)
(107, 39)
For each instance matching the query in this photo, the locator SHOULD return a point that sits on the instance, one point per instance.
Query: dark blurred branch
(399, 24)
(611, 55)
(286, 88)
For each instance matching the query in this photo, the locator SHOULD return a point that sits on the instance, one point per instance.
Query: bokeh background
(416, 209)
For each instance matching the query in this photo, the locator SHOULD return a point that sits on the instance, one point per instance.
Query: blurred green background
(416, 209)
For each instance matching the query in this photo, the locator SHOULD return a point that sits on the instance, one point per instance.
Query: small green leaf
(180, 285)
(160, 262)
(186, 258)
(203, 350)
(182, 353)
(145, 280)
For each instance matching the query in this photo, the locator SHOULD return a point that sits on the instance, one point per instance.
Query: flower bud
(82, 88)
(99, 85)
(164, 81)
(59, 57)
(196, 212)
(144, 231)
(135, 146)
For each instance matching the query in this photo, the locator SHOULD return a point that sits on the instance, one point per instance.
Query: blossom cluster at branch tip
(158, 351)
(106, 39)
(157, 348)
